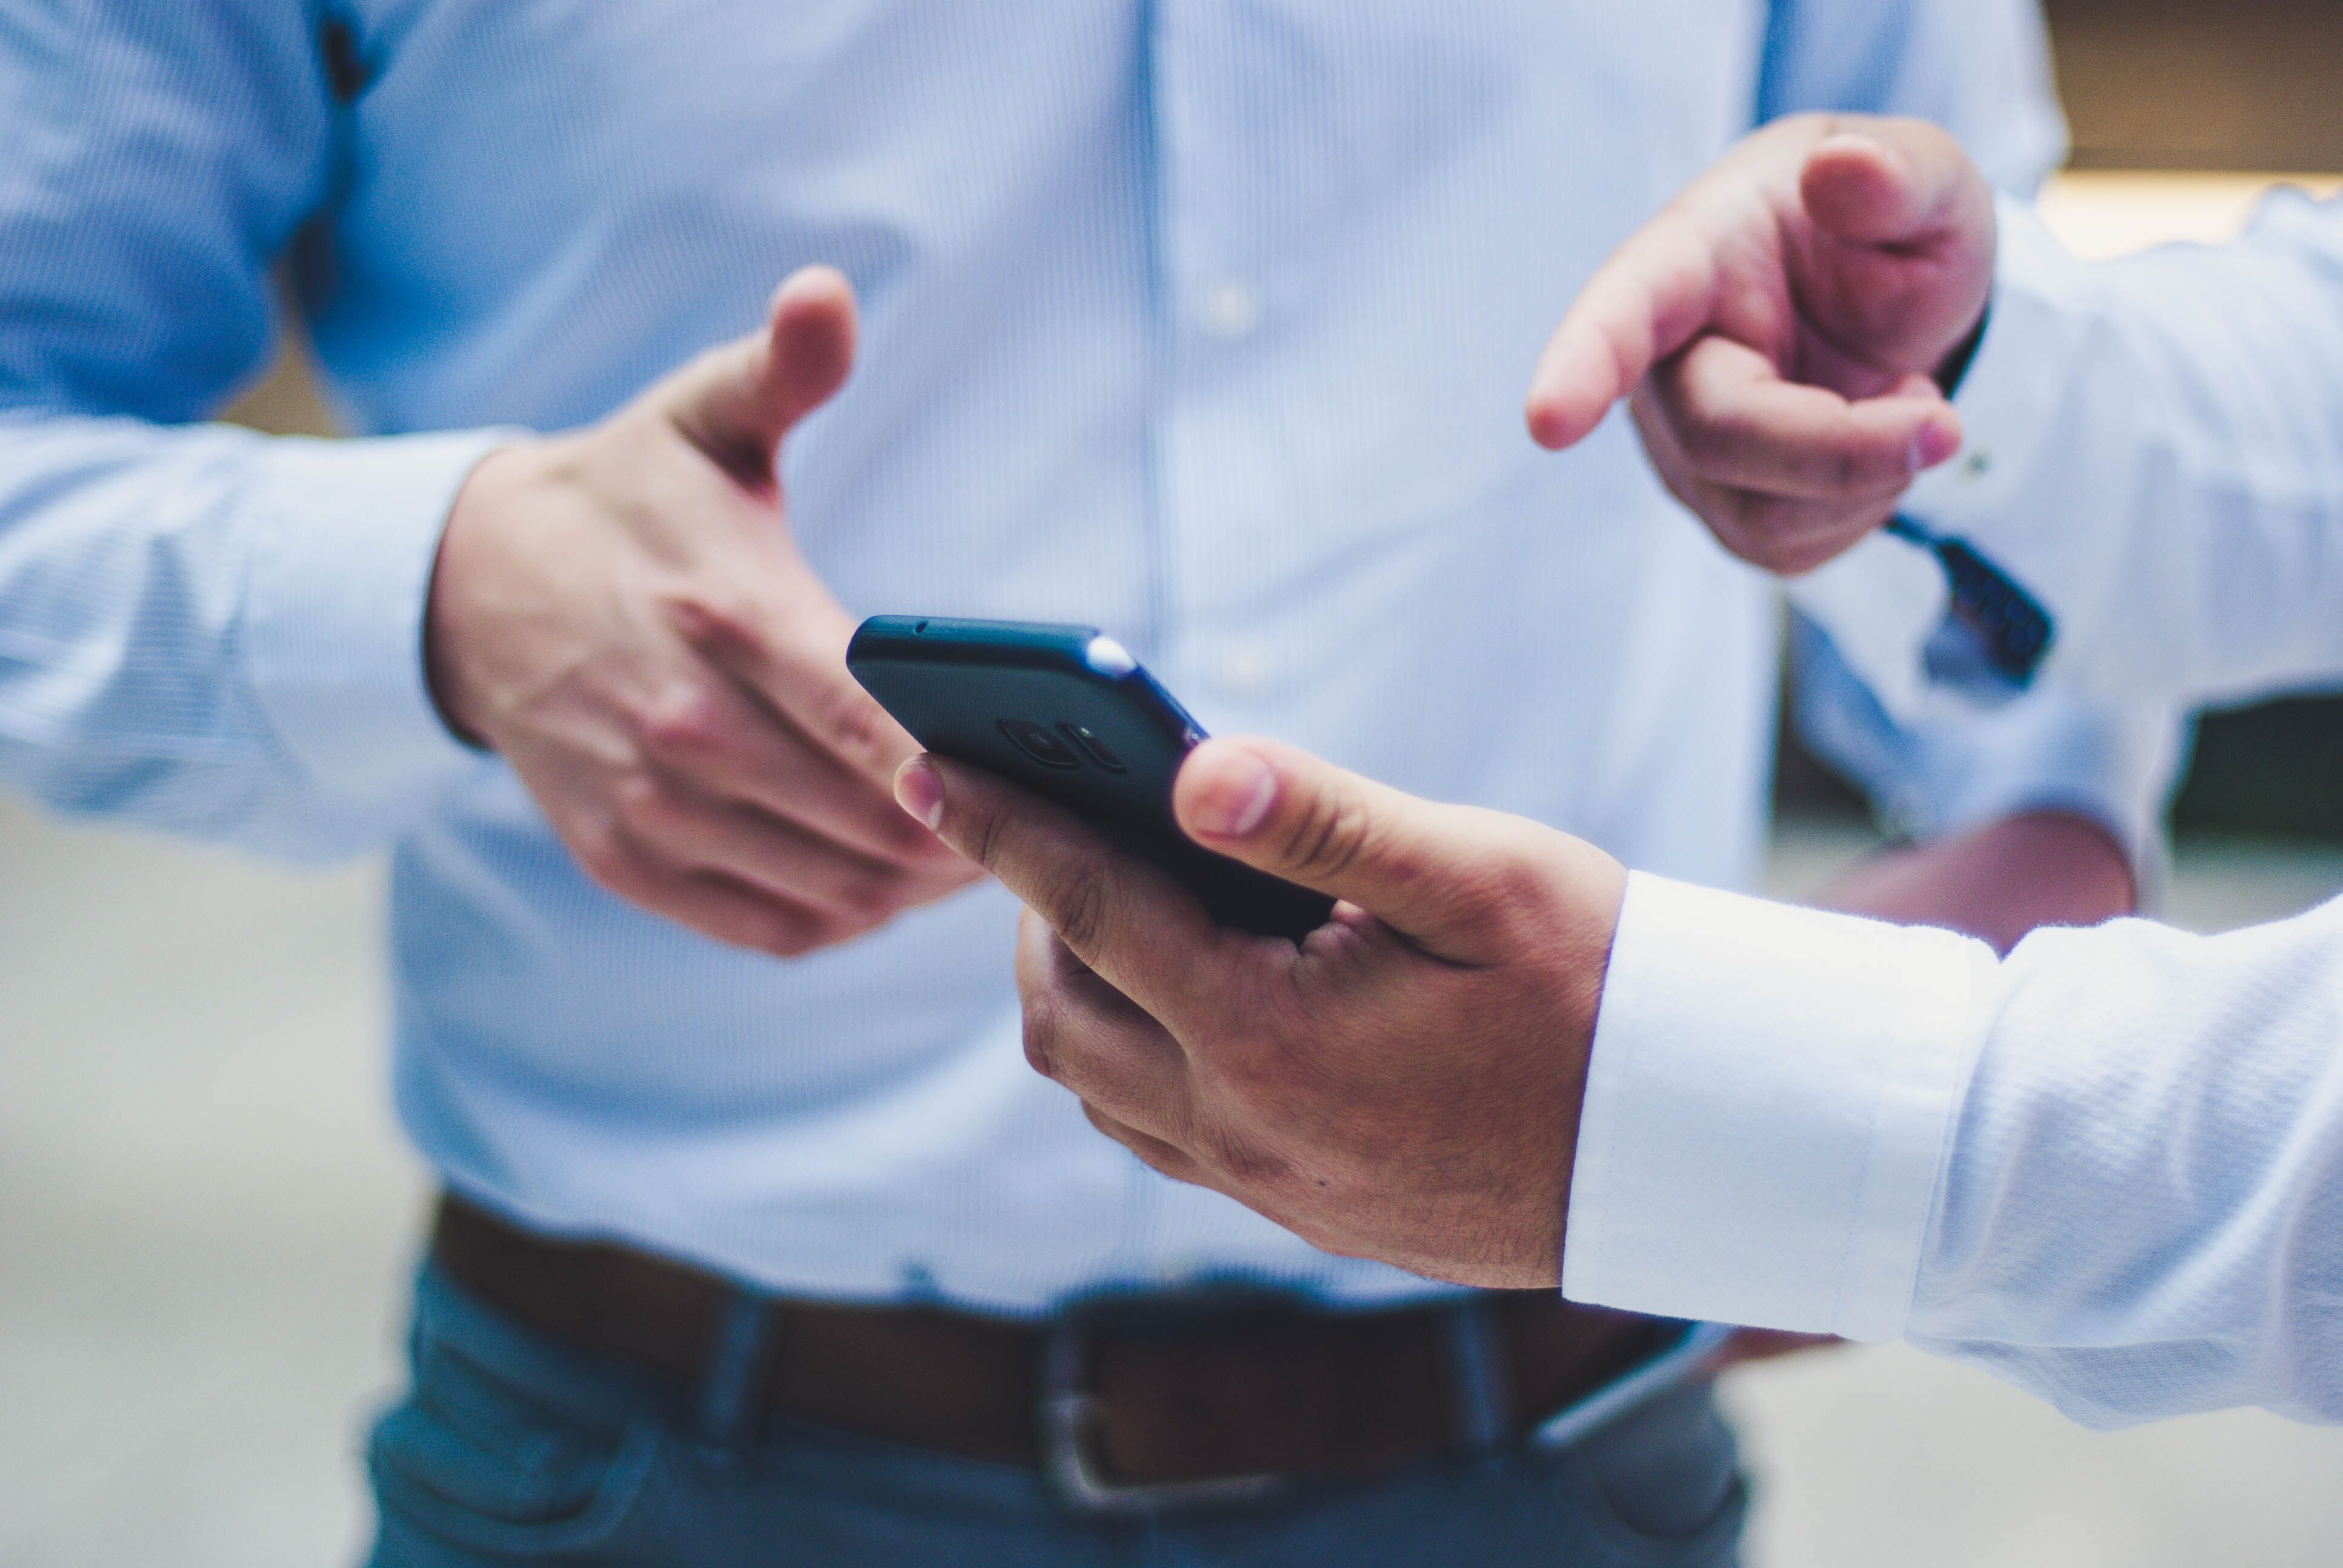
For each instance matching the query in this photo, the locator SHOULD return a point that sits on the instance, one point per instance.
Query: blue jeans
(511, 1449)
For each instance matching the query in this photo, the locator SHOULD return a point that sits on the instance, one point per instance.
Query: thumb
(1413, 864)
(1911, 272)
(736, 401)
(1904, 183)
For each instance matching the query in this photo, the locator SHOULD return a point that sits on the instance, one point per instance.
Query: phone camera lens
(1040, 743)
(1083, 736)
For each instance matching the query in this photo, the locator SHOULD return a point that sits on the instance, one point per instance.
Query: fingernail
(919, 791)
(1239, 789)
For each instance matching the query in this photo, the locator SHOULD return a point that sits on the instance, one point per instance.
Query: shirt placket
(1216, 472)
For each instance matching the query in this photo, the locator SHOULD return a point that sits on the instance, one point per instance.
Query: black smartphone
(1064, 711)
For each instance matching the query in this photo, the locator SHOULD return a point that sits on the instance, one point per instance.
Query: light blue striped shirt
(1204, 320)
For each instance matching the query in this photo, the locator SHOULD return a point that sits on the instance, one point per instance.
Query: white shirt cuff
(344, 536)
(1769, 1105)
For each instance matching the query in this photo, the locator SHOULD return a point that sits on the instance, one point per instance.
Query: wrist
(1597, 885)
(453, 609)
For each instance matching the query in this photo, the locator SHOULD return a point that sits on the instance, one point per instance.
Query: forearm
(1996, 883)
(2047, 810)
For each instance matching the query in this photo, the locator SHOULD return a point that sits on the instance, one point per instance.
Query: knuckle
(1164, 1159)
(1078, 906)
(1270, 1062)
(907, 843)
(850, 718)
(1520, 888)
(1261, 1074)
(603, 853)
(1770, 517)
(1329, 836)
(1044, 1030)
(1756, 529)
(870, 894)
(982, 829)
(686, 725)
(1708, 444)
(820, 930)
(1851, 468)
(1727, 528)
(787, 940)
(1154, 1156)
(719, 623)
(640, 804)
(788, 931)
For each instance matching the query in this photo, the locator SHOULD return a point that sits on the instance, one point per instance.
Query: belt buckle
(1069, 1464)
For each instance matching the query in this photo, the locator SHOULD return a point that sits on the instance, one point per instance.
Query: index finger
(799, 670)
(1130, 921)
(1651, 299)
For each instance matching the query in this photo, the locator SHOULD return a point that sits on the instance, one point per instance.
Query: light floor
(206, 1216)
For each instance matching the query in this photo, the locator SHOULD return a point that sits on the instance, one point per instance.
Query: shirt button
(1228, 310)
(1245, 668)
(1978, 465)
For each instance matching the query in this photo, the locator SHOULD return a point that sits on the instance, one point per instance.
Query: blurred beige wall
(2103, 212)
(2202, 83)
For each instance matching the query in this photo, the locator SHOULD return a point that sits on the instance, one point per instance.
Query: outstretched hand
(622, 614)
(1779, 328)
(1402, 1085)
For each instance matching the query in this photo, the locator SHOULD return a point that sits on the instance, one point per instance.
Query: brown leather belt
(1144, 1401)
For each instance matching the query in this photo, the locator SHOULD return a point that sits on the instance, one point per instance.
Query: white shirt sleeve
(2050, 749)
(2155, 450)
(1981, 69)
(200, 629)
(2109, 1168)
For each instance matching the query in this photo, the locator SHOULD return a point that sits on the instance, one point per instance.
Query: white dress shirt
(1205, 321)
(2109, 1168)
(2155, 451)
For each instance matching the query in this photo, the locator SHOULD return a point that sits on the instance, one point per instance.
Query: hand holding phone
(1066, 713)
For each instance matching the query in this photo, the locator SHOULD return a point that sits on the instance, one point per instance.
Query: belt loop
(1479, 1382)
(730, 1396)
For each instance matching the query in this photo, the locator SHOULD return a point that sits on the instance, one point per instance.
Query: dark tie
(1994, 633)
